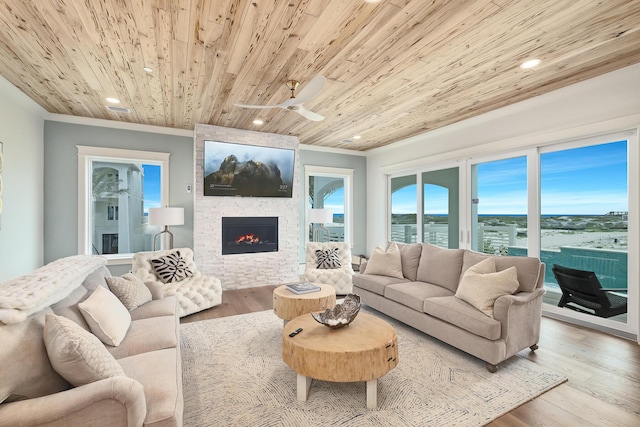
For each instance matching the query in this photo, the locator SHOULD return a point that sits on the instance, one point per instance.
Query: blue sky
(335, 201)
(151, 187)
(580, 181)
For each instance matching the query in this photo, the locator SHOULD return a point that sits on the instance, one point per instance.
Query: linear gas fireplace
(246, 235)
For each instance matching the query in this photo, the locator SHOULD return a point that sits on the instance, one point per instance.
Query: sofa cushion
(374, 283)
(108, 319)
(528, 268)
(156, 333)
(25, 368)
(171, 267)
(457, 312)
(76, 354)
(160, 373)
(385, 263)
(481, 285)
(410, 256)
(413, 294)
(167, 306)
(440, 266)
(131, 291)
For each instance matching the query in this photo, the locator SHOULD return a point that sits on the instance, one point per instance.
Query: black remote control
(296, 332)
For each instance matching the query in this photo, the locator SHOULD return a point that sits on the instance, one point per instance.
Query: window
(499, 206)
(329, 188)
(573, 203)
(584, 214)
(404, 209)
(440, 207)
(116, 189)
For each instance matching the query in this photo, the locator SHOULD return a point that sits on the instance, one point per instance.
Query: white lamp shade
(166, 216)
(320, 216)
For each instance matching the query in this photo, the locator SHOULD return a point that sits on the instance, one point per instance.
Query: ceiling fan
(294, 103)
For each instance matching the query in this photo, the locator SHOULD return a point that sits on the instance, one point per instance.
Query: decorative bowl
(341, 315)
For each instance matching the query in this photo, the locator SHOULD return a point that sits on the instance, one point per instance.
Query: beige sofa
(425, 298)
(33, 393)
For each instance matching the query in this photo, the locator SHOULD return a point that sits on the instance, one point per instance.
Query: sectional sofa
(443, 293)
(140, 378)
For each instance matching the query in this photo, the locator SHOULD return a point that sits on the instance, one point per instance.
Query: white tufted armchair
(194, 293)
(339, 278)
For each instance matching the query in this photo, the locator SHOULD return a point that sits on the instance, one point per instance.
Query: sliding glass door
(441, 207)
(499, 206)
(572, 204)
(404, 209)
(425, 208)
(584, 218)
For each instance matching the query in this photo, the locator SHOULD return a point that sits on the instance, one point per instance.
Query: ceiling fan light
(530, 63)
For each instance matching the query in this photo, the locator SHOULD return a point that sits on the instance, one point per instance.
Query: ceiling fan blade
(257, 106)
(310, 90)
(309, 114)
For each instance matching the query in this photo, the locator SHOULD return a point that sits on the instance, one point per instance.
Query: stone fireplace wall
(244, 270)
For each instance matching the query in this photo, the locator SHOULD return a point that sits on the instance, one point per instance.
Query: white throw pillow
(385, 263)
(131, 291)
(75, 354)
(481, 285)
(108, 319)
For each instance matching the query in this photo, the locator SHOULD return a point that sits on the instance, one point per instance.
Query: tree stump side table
(363, 351)
(288, 305)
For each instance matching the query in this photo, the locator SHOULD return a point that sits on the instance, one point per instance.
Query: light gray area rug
(233, 375)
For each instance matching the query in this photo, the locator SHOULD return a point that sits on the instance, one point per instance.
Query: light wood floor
(603, 370)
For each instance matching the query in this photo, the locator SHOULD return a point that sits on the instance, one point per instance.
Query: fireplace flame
(248, 238)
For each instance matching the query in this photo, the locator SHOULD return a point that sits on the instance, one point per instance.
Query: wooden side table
(363, 351)
(288, 305)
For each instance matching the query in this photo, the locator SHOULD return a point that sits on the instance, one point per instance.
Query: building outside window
(118, 188)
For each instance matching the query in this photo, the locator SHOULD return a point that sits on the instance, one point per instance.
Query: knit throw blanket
(28, 294)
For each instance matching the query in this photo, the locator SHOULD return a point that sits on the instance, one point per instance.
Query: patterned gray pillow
(171, 268)
(131, 291)
(328, 259)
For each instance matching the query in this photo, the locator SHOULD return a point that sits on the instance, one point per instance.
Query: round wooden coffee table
(288, 305)
(363, 351)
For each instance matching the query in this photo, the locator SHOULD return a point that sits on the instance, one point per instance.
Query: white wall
(607, 103)
(21, 220)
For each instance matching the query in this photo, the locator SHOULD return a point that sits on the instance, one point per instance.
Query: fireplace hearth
(246, 235)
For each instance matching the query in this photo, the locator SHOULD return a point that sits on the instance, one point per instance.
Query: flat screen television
(232, 169)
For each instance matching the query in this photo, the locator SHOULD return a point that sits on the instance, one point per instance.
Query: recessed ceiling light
(258, 122)
(115, 109)
(113, 100)
(357, 137)
(148, 69)
(530, 63)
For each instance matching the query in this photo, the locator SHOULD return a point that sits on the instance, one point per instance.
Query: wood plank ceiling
(395, 69)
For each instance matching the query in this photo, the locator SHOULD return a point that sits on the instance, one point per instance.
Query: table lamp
(320, 216)
(165, 216)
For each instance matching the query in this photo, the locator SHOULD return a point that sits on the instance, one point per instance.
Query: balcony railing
(610, 265)
(494, 238)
